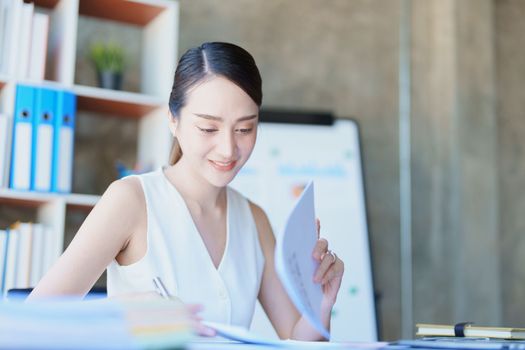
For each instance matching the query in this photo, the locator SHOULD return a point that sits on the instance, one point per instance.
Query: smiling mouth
(223, 166)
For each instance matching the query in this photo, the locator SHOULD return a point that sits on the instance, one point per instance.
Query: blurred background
(437, 87)
(467, 63)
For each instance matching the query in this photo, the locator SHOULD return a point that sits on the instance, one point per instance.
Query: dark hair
(213, 59)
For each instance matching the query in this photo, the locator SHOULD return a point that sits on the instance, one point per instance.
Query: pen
(161, 288)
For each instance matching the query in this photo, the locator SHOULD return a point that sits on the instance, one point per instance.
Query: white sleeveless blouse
(177, 254)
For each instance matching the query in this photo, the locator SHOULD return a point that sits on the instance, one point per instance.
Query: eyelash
(210, 131)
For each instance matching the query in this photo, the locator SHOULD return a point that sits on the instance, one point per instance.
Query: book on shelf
(20, 172)
(23, 40)
(37, 57)
(6, 129)
(4, 20)
(3, 254)
(10, 261)
(11, 12)
(41, 149)
(23, 255)
(469, 330)
(39, 250)
(27, 251)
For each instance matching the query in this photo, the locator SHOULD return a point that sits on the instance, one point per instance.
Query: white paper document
(243, 335)
(240, 334)
(294, 262)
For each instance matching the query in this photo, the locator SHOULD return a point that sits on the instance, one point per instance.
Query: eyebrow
(212, 117)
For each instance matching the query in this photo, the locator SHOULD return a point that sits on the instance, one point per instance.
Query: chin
(222, 180)
(219, 182)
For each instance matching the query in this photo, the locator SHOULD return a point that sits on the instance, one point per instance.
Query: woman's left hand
(330, 270)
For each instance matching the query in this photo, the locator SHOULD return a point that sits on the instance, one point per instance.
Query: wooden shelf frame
(140, 13)
(50, 4)
(4, 79)
(121, 103)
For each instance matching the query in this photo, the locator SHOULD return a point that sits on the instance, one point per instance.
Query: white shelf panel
(28, 198)
(46, 3)
(122, 103)
(95, 99)
(43, 83)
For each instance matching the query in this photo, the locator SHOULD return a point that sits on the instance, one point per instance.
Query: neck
(198, 194)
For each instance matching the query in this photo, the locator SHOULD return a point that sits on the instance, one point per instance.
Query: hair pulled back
(212, 59)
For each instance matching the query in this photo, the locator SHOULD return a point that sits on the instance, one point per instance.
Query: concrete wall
(455, 209)
(510, 109)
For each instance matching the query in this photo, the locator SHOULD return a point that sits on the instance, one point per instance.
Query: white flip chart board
(286, 157)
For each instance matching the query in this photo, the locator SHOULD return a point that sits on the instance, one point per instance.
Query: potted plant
(109, 63)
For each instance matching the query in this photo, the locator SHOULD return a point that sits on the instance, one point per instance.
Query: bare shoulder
(124, 190)
(104, 235)
(264, 228)
(124, 201)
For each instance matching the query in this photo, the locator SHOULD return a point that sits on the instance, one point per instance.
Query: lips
(223, 166)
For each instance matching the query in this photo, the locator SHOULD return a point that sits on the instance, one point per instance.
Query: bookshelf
(157, 21)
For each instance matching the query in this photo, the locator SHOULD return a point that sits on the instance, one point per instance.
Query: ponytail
(176, 152)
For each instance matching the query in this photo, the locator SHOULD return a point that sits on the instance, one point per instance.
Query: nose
(227, 147)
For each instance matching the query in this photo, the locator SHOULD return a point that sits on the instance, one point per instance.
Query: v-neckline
(194, 226)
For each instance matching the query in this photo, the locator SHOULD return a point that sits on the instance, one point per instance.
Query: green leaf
(107, 57)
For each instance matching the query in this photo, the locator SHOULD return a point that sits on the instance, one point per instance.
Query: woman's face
(216, 130)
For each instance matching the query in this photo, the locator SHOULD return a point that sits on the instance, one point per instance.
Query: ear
(173, 122)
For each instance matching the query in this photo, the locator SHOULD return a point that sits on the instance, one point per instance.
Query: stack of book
(107, 324)
(37, 144)
(469, 331)
(27, 251)
(24, 36)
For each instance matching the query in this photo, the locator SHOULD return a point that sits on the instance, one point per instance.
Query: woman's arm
(105, 233)
(283, 315)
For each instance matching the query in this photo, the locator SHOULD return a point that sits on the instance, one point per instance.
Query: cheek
(247, 144)
(195, 145)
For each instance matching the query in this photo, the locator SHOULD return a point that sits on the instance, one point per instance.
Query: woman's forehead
(220, 97)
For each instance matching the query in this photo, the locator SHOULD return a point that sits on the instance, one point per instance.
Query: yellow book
(469, 330)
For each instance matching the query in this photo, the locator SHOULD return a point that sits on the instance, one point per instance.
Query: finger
(334, 272)
(318, 225)
(329, 275)
(204, 331)
(199, 328)
(326, 263)
(195, 308)
(195, 318)
(320, 249)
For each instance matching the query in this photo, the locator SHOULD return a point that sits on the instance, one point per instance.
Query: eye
(244, 130)
(206, 130)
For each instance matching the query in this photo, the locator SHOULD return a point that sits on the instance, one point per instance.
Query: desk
(204, 344)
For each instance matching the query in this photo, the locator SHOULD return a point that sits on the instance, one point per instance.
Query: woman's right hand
(196, 321)
(191, 311)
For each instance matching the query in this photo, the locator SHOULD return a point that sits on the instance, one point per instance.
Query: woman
(208, 243)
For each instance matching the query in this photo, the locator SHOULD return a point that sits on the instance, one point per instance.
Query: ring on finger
(333, 255)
